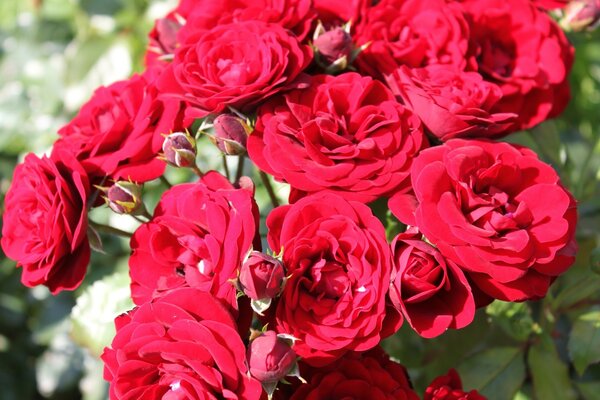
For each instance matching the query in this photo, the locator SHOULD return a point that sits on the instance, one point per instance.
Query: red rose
(479, 203)
(270, 358)
(337, 12)
(550, 4)
(451, 103)
(339, 264)
(236, 65)
(370, 375)
(199, 235)
(117, 133)
(522, 50)
(261, 276)
(45, 221)
(181, 346)
(449, 387)
(432, 292)
(344, 134)
(411, 32)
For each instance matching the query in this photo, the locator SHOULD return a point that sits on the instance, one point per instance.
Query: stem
(164, 180)
(197, 171)
(147, 214)
(226, 167)
(270, 191)
(240, 168)
(109, 229)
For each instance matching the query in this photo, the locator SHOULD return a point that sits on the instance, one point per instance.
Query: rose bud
(581, 15)
(261, 278)
(179, 149)
(334, 49)
(230, 134)
(271, 358)
(125, 197)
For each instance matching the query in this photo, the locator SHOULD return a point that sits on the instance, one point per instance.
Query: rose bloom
(233, 65)
(449, 387)
(338, 264)
(432, 292)
(451, 103)
(181, 346)
(369, 376)
(344, 134)
(199, 235)
(117, 133)
(45, 221)
(550, 4)
(415, 33)
(337, 12)
(497, 211)
(522, 50)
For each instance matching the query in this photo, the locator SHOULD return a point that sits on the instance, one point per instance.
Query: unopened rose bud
(230, 134)
(125, 198)
(261, 278)
(333, 45)
(271, 358)
(581, 15)
(179, 149)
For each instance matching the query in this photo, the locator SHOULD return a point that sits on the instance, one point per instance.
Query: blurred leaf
(93, 386)
(497, 373)
(60, 367)
(96, 309)
(514, 318)
(584, 342)
(550, 375)
(589, 390)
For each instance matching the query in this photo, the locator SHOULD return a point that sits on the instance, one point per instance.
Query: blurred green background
(54, 53)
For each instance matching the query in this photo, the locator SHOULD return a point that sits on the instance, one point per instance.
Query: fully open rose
(415, 33)
(450, 102)
(497, 211)
(235, 65)
(344, 134)
(522, 50)
(45, 221)
(365, 376)
(199, 236)
(118, 132)
(339, 265)
(181, 346)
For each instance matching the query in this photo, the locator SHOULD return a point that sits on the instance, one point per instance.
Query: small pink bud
(230, 134)
(334, 45)
(271, 358)
(179, 149)
(581, 15)
(166, 34)
(261, 276)
(125, 197)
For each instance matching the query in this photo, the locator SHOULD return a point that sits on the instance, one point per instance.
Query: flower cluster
(399, 102)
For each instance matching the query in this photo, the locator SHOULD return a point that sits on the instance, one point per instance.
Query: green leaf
(96, 308)
(550, 375)
(497, 373)
(514, 318)
(584, 342)
(589, 390)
